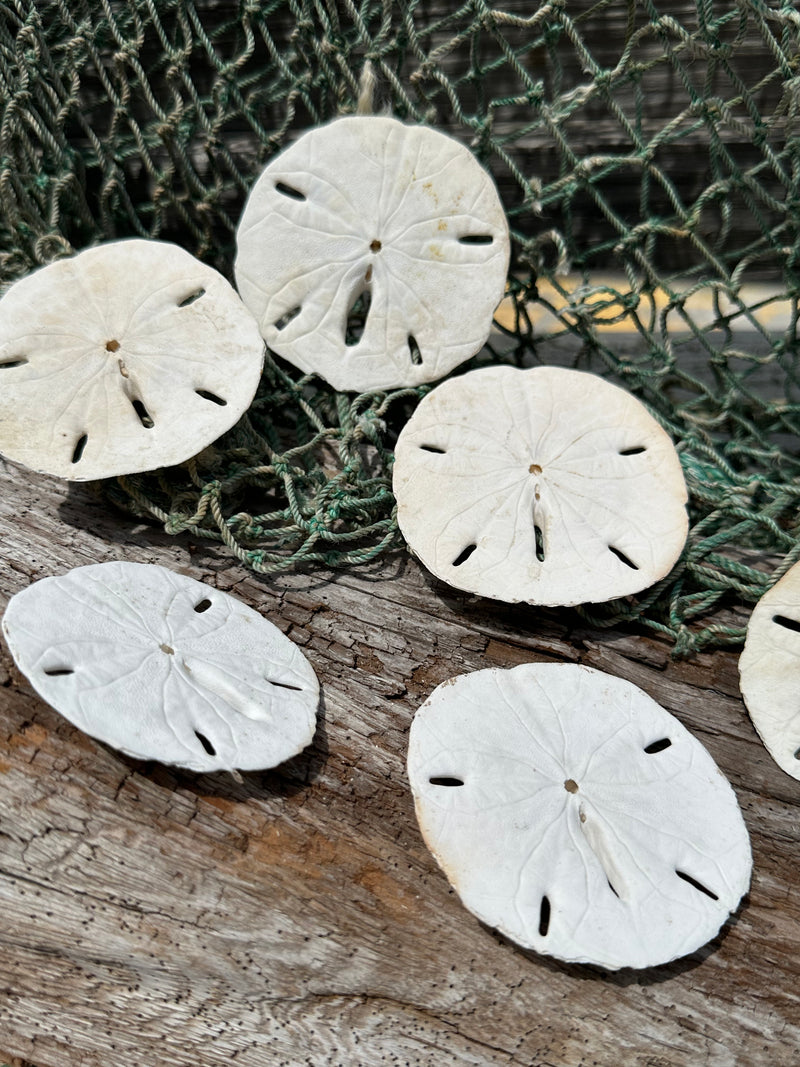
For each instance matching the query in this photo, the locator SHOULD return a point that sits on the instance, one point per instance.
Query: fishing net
(648, 155)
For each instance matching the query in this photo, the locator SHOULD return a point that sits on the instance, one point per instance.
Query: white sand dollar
(574, 814)
(769, 670)
(547, 485)
(163, 667)
(369, 209)
(129, 356)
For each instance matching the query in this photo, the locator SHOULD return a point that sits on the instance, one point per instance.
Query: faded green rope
(153, 118)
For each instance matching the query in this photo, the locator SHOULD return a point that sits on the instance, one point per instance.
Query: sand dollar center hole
(571, 785)
(375, 246)
(535, 468)
(112, 345)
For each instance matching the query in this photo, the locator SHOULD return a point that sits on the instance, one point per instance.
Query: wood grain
(154, 917)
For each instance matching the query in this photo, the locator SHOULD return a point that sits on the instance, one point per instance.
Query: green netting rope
(648, 155)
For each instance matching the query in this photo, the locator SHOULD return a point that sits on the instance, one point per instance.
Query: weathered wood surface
(151, 917)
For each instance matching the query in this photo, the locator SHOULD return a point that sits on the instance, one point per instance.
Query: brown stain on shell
(427, 187)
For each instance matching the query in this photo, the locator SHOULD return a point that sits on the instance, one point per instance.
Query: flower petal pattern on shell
(129, 356)
(548, 485)
(373, 253)
(574, 814)
(163, 667)
(769, 670)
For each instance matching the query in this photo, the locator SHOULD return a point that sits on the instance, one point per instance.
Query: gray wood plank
(154, 916)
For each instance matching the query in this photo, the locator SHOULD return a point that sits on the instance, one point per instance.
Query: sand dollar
(129, 356)
(546, 485)
(574, 814)
(163, 667)
(769, 671)
(399, 223)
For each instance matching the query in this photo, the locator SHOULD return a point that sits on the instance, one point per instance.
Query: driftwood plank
(150, 916)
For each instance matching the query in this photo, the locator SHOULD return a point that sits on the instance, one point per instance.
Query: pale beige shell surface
(574, 814)
(548, 485)
(164, 667)
(769, 671)
(129, 356)
(368, 205)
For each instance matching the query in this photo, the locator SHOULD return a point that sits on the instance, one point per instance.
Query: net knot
(175, 524)
(371, 426)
